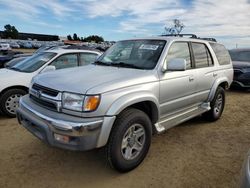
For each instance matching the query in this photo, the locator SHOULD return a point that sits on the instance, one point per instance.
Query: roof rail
(180, 35)
(191, 36)
(210, 39)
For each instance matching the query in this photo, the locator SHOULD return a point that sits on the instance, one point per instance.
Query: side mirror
(48, 68)
(177, 64)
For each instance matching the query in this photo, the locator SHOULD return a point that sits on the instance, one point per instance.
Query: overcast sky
(226, 20)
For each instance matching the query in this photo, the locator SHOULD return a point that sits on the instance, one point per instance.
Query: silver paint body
(177, 95)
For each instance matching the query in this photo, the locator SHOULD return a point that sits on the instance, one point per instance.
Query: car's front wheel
(130, 140)
(9, 101)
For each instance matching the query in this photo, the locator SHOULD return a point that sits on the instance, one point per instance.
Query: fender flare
(118, 106)
(132, 98)
(215, 86)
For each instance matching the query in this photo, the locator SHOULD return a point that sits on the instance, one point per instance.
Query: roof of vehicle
(62, 51)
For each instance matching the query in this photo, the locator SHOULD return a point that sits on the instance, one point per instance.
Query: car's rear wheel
(9, 101)
(217, 105)
(130, 140)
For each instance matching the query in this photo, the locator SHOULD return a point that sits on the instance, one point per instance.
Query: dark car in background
(14, 61)
(5, 56)
(241, 65)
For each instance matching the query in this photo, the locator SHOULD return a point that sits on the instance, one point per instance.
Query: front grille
(45, 90)
(44, 103)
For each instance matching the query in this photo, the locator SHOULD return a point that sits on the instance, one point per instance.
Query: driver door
(177, 88)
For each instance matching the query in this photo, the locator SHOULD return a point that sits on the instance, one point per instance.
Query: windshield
(240, 55)
(14, 61)
(34, 62)
(140, 54)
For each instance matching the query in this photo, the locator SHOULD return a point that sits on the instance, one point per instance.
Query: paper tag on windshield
(148, 47)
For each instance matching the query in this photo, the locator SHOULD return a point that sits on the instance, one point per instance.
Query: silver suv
(135, 89)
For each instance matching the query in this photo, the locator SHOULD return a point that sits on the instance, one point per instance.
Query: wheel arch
(142, 101)
(14, 87)
(222, 82)
(139, 101)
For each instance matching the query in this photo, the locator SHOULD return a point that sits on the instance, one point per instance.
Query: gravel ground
(194, 154)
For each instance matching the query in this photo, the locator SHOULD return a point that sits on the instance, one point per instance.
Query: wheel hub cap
(133, 142)
(12, 103)
(218, 104)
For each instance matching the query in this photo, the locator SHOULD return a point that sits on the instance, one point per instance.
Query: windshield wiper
(101, 63)
(126, 65)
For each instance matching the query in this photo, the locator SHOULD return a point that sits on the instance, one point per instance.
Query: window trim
(207, 50)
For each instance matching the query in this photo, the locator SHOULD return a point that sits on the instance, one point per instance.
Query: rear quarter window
(221, 53)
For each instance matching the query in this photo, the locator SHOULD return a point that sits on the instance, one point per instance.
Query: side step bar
(181, 117)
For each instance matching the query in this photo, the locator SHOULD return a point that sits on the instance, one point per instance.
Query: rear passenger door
(177, 88)
(204, 66)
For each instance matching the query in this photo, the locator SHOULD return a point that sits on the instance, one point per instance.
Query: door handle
(215, 74)
(191, 78)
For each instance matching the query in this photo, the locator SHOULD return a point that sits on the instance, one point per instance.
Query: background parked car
(14, 45)
(5, 46)
(241, 64)
(16, 79)
(5, 56)
(14, 61)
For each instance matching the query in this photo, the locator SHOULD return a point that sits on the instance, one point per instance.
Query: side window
(87, 58)
(179, 50)
(202, 56)
(65, 61)
(221, 53)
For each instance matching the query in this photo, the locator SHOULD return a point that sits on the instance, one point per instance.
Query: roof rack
(210, 39)
(180, 35)
(191, 36)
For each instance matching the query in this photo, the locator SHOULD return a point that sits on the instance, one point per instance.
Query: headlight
(72, 101)
(81, 103)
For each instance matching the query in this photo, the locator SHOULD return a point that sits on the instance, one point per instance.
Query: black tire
(125, 121)
(6, 96)
(215, 113)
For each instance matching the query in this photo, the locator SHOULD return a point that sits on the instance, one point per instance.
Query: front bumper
(84, 133)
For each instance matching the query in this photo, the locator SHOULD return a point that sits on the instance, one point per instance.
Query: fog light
(62, 138)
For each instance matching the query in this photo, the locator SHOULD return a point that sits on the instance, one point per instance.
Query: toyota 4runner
(135, 89)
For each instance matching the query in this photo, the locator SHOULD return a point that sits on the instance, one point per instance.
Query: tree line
(12, 33)
(91, 38)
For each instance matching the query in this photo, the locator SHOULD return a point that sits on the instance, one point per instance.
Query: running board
(179, 118)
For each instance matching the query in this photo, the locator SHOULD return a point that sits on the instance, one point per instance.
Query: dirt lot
(24, 50)
(195, 154)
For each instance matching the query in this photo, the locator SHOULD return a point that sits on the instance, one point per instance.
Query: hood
(10, 78)
(241, 64)
(9, 74)
(94, 79)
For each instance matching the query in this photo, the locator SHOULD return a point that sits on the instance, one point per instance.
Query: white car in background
(15, 80)
(5, 46)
